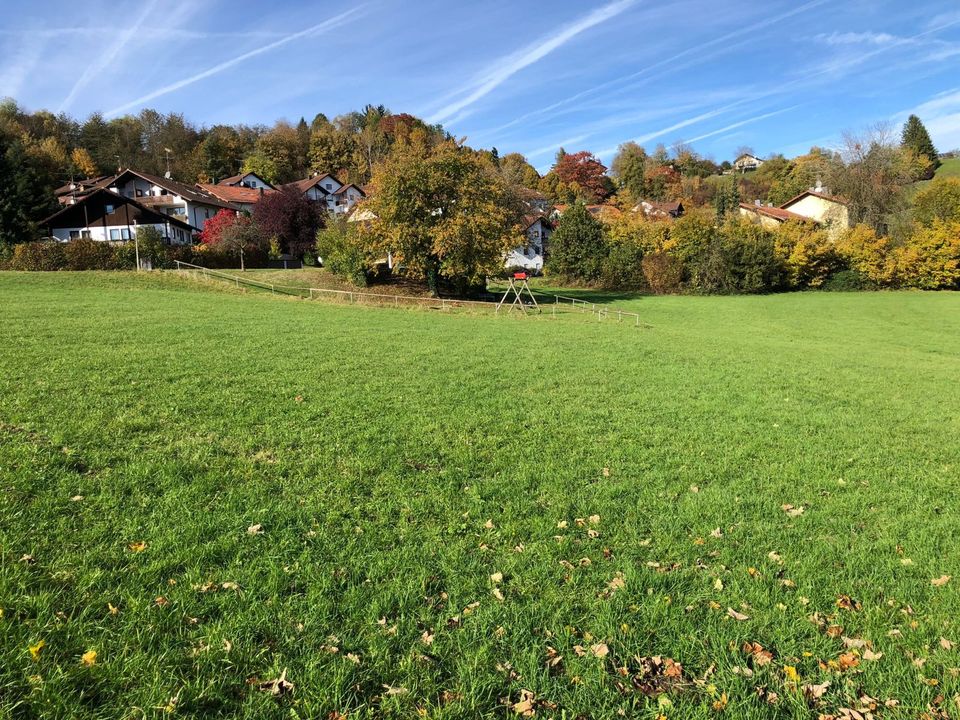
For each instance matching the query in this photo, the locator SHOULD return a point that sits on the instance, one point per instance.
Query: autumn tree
(444, 214)
(290, 218)
(585, 173)
(81, 160)
(214, 227)
(940, 200)
(518, 171)
(915, 137)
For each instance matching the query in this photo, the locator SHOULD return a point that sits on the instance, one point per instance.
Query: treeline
(698, 254)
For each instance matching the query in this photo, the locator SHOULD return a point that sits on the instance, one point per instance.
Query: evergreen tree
(577, 248)
(916, 138)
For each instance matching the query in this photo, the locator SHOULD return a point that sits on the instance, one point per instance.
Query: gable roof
(814, 193)
(236, 194)
(190, 194)
(343, 188)
(113, 199)
(531, 220)
(237, 179)
(777, 213)
(307, 183)
(80, 185)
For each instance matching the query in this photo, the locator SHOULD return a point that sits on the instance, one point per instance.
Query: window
(124, 234)
(85, 234)
(328, 186)
(108, 209)
(74, 234)
(139, 192)
(114, 234)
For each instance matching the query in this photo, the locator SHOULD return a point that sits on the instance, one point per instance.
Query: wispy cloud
(741, 123)
(855, 38)
(22, 63)
(696, 54)
(319, 28)
(510, 65)
(941, 115)
(178, 33)
(106, 59)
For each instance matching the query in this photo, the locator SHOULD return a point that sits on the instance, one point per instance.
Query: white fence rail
(555, 303)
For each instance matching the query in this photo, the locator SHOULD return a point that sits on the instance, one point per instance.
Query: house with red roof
(815, 205)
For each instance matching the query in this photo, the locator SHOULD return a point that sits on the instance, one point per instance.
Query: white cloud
(941, 115)
(323, 27)
(856, 38)
(510, 65)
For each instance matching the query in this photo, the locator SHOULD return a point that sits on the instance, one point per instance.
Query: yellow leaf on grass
(790, 673)
(89, 658)
(940, 581)
(138, 546)
(35, 649)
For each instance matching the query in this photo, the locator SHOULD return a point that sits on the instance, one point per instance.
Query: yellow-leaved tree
(444, 213)
(807, 253)
(83, 163)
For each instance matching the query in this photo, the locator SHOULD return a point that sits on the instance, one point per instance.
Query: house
(659, 210)
(818, 204)
(77, 188)
(768, 216)
(191, 205)
(104, 215)
(601, 212)
(534, 199)
(814, 205)
(346, 196)
(747, 163)
(244, 197)
(530, 256)
(247, 180)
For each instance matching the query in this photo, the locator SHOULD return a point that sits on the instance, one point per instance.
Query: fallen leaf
(255, 529)
(835, 631)
(718, 584)
(496, 577)
(606, 472)
(716, 532)
(27, 558)
(488, 524)
(854, 643)
(600, 650)
(617, 583)
(848, 661)
(872, 656)
(89, 658)
(774, 557)
(940, 581)
(594, 519)
(497, 594)
(76, 498)
(947, 644)
(35, 650)
(162, 601)
(720, 703)
(391, 691)
(815, 692)
(229, 586)
(845, 602)
(427, 637)
(737, 615)
(278, 687)
(694, 489)
(792, 511)
(112, 609)
(138, 546)
(790, 673)
(526, 704)
(562, 524)
(354, 658)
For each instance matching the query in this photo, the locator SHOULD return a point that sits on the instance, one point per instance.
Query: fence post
(619, 319)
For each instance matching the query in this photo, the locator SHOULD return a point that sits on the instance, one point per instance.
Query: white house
(108, 217)
(325, 188)
(530, 256)
(818, 204)
(747, 162)
(191, 205)
(247, 180)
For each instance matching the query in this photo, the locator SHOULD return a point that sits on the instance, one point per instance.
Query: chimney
(261, 191)
(758, 203)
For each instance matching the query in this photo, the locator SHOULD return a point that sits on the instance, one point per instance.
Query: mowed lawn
(748, 507)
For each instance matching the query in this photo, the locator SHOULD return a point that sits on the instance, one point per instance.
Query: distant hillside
(949, 168)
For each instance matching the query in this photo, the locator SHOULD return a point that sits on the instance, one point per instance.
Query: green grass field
(463, 515)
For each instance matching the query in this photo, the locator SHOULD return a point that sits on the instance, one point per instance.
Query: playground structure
(518, 286)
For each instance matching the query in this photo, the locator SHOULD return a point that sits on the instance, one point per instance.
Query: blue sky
(521, 76)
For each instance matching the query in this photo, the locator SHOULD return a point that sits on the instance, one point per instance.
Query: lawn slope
(411, 513)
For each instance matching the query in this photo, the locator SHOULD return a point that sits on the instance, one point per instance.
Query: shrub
(848, 281)
(623, 266)
(690, 237)
(931, 258)
(38, 256)
(662, 272)
(740, 259)
(340, 247)
(291, 218)
(807, 254)
(87, 254)
(869, 254)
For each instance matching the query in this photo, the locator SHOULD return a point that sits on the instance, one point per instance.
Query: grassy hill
(417, 514)
(949, 168)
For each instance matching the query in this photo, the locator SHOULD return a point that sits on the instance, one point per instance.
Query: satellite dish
(167, 174)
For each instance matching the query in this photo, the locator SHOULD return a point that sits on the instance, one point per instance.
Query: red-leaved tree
(291, 218)
(586, 172)
(213, 229)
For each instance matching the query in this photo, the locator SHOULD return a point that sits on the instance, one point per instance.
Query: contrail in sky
(325, 26)
(515, 62)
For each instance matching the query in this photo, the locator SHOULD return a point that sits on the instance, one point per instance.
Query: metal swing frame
(518, 286)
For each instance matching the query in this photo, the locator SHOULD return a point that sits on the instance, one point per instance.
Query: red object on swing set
(519, 276)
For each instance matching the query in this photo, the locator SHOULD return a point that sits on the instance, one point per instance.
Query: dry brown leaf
(600, 650)
(255, 529)
(854, 643)
(354, 658)
(737, 615)
(497, 594)
(278, 687)
(947, 644)
(940, 581)
(792, 511)
(526, 705)
(716, 533)
(427, 637)
(488, 524)
(138, 546)
(594, 519)
(872, 656)
(848, 661)
(496, 577)
(815, 692)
